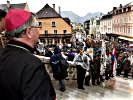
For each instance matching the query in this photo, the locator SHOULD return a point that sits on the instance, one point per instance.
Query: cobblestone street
(90, 93)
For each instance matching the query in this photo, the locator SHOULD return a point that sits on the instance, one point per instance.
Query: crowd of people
(23, 76)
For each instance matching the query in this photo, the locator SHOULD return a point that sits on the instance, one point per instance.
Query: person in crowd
(48, 52)
(79, 44)
(71, 54)
(82, 64)
(108, 69)
(84, 45)
(131, 62)
(59, 73)
(95, 70)
(22, 75)
(126, 65)
(89, 76)
(119, 65)
(65, 47)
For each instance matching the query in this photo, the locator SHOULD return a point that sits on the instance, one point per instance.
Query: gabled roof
(20, 5)
(129, 4)
(47, 12)
(67, 20)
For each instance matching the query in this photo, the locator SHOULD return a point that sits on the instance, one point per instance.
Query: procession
(44, 56)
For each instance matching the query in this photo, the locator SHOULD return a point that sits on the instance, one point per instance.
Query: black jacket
(22, 75)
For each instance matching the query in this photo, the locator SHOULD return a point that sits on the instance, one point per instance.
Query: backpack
(59, 68)
(63, 64)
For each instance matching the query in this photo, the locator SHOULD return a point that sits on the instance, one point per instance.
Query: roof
(129, 4)
(47, 12)
(20, 5)
(67, 20)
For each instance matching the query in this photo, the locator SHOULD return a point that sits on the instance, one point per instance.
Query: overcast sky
(80, 7)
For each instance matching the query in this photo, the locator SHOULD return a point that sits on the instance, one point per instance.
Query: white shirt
(82, 60)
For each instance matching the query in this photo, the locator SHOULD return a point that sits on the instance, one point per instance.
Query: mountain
(72, 16)
(92, 15)
(78, 19)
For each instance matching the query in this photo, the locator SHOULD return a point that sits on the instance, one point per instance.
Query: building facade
(53, 28)
(118, 23)
(92, 27)
(106, 25)
(123, 20)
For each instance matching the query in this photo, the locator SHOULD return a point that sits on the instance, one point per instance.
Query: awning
(126, 38)
(130, 45)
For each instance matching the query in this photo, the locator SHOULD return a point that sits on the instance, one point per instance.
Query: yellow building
(53, 28)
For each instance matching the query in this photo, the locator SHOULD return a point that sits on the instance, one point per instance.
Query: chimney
(54, 6)
(59, 10)
(120, 5)
(8, 4)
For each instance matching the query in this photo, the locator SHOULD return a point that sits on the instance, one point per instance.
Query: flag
(114, 62)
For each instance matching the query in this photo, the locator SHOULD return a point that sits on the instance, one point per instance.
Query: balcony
(55, 35)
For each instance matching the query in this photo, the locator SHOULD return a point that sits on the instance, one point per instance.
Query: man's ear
(28, 33)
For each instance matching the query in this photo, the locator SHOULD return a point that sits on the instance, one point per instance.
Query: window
(121, 21)
(49, 41)
(129, 8)
(124, 29)
(40, 24)
(129, 29)
(46, 32)
(120, 29)
(64, 31)
(124, 9)
(53, 24)
(55, 31)
(129, 18)
(125, 19)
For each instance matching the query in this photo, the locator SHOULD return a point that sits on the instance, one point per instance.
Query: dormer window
(124, 9)
(46, 12)
(120, 11)
(53, 24)
(40, 24)
(129, 8)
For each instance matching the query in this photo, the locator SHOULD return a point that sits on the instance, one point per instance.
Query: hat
(2, 13)
(57, 50)
(16, 21)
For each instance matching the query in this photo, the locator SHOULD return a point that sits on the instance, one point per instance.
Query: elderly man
(22, 75)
